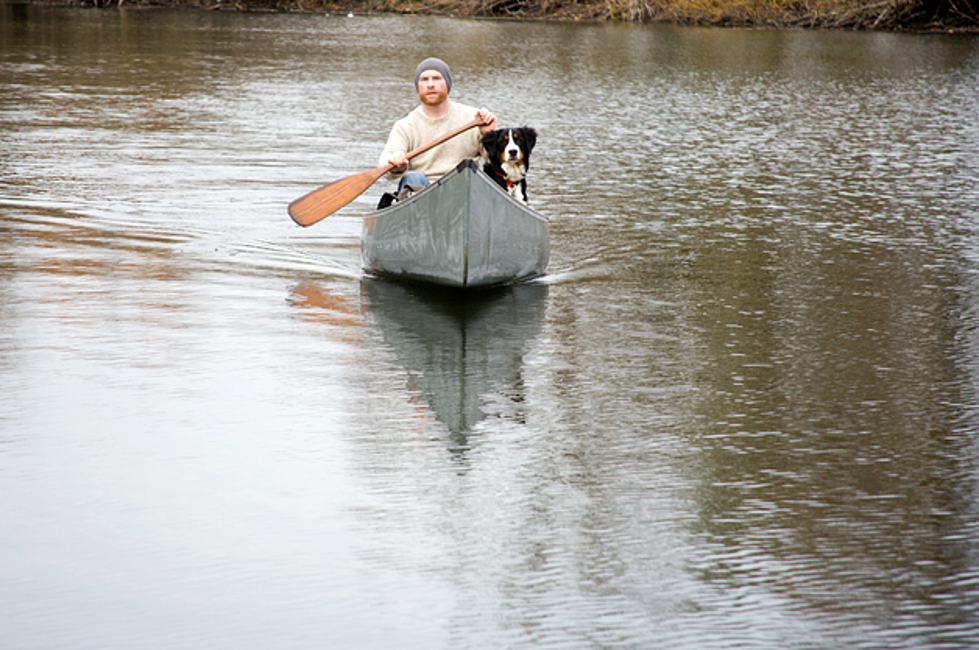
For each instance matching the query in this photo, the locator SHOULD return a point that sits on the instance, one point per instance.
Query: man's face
(432, 88)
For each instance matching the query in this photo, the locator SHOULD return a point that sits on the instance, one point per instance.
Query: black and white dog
(506, 157)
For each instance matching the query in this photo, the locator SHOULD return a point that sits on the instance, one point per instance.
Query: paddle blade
(321, 203)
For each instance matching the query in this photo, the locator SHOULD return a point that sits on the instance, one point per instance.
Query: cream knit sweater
(417, 129)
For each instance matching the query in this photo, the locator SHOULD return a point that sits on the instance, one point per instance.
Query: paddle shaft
(322, 202)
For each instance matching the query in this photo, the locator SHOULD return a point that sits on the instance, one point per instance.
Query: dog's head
(509, 145)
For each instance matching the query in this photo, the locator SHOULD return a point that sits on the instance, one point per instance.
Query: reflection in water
(342, 314)
(458, 347)
(836, 427)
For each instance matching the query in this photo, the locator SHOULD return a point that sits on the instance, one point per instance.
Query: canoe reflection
(461, 350)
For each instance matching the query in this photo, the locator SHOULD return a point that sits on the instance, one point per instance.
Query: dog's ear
(529, 138)
(488, 143)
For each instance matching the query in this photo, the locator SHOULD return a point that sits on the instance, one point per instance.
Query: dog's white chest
(514, 170)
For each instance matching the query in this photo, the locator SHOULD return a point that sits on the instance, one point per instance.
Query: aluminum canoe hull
(462, 231)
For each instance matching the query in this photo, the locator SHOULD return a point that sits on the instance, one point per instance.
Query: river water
(740, 411)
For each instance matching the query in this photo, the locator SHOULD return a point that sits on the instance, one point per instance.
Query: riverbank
(885, 15)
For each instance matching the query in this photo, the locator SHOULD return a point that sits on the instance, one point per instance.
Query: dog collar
(509, 183)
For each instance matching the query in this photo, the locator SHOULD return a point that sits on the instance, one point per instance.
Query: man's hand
(399, 162)
(489, 120)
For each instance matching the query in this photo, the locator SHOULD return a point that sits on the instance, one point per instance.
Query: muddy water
(740, 411)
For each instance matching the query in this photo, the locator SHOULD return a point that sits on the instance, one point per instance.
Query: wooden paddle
(321, 203)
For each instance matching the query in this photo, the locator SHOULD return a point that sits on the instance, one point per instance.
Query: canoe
(461, 231)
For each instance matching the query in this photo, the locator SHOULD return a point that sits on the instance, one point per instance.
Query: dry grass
(917, 15)
(839, 14)
(852, 14)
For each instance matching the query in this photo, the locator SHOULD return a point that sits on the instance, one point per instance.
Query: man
(436, 116)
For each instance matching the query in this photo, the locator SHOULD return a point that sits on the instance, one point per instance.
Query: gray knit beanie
(434, 64)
